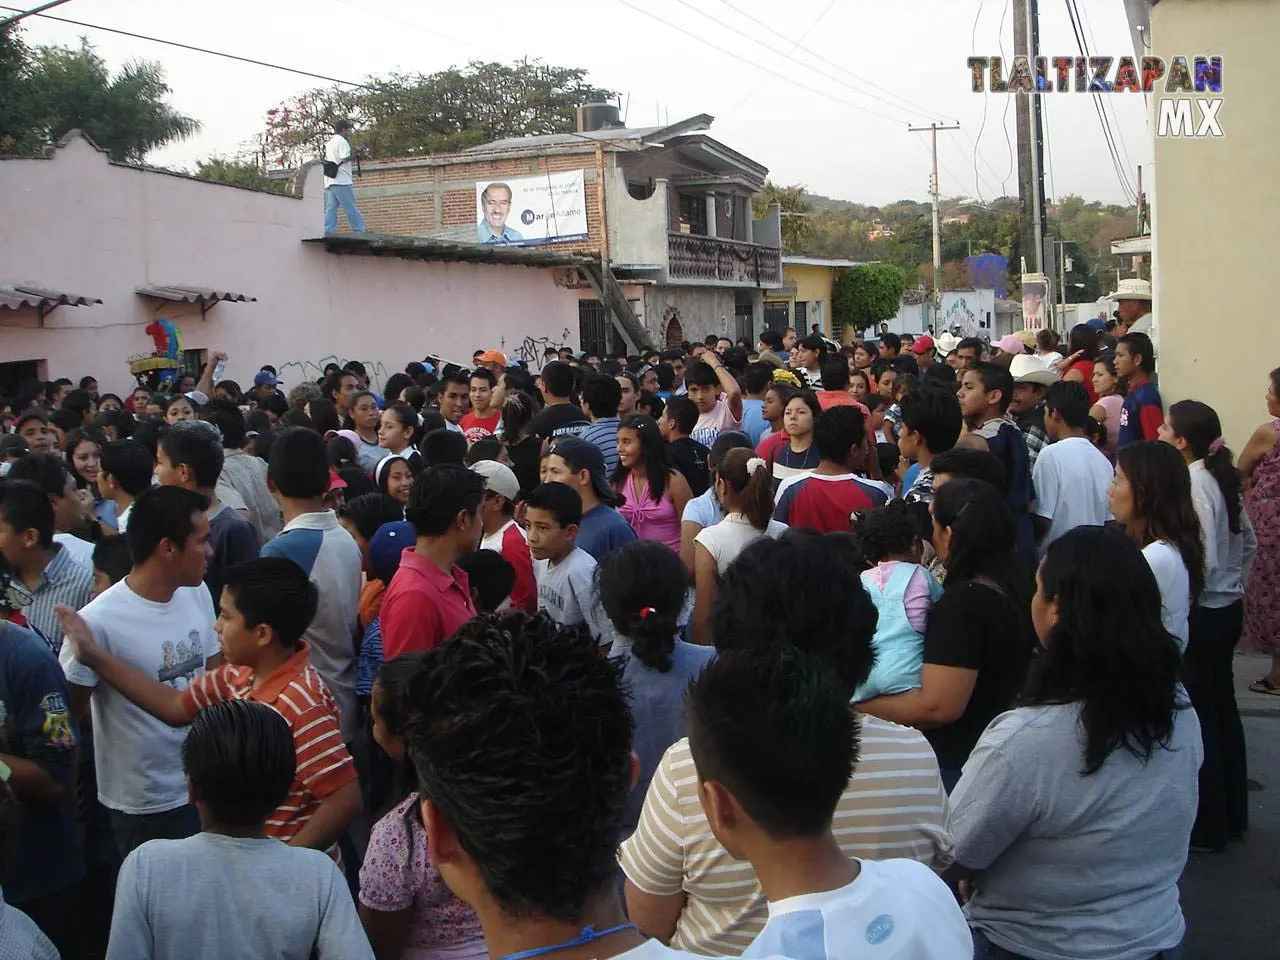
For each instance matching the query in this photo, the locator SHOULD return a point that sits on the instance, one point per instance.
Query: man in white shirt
(158, 619)
(338, 189)
(1071, 475)
(774, 744)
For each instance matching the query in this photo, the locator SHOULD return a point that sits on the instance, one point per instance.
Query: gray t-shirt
(566, 591)
(1084, 867)
(211, 896)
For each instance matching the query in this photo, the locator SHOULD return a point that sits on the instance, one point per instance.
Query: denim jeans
(341, 195)
(984, 949)
(132, 830)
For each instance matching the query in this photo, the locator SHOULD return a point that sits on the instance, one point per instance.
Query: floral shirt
(398, 874)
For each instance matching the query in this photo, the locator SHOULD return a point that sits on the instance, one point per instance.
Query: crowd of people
(914, 648)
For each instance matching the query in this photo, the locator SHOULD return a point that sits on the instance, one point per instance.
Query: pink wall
(78, 223)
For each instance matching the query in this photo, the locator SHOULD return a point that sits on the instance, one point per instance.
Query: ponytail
(653, 638)
(642, 587)
(1198, 424)
(748, 477)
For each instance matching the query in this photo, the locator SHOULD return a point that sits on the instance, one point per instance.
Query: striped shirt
(894, 806)
(296, 692)
(64, 580)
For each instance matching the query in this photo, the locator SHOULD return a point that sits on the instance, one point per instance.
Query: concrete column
(711, 215)
(749, 219)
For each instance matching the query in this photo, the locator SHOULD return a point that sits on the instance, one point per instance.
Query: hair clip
(645, 611)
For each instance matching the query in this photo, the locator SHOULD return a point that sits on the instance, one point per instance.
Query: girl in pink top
(406, 909)
(655, 494)
(1110, 392)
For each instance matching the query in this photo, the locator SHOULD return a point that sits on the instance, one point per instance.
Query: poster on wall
(526, 211)
(1035, 294)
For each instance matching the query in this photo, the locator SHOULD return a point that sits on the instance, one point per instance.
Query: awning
(205, 296)
(430, 248)
(26, 296)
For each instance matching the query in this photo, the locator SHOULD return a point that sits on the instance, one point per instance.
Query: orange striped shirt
(296, 692)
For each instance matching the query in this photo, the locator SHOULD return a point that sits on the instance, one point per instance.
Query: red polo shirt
(422, 606)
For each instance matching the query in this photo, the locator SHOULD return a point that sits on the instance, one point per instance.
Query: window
(15, 373)
(592, 327)
(744, 316)
(192, 363)
(693, 213)
(777, 316)
(802, 317)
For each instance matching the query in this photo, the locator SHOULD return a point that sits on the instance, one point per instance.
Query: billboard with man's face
(525, 211)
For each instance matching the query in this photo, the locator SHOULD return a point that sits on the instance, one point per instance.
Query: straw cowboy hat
(1132, 289)
(946, 344)
(1028, 368)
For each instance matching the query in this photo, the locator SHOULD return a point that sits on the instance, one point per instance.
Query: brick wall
(414, 198)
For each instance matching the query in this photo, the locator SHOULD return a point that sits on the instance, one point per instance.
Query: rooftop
(428, 248)
(619, 135)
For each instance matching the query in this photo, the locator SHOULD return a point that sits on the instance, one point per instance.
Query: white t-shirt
(1071, 479)
(122, 521)
(893, 909)
(567, 592)
(81, 551)
(494, 540)
(336, 150)
(728, 538)
(137, 756)
(1175, 588)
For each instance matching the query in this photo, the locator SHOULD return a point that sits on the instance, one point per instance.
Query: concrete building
(1214, 204)
(804, 299)
(677, 252)
(233, 268)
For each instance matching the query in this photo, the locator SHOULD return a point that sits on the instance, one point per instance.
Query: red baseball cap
(923, 344)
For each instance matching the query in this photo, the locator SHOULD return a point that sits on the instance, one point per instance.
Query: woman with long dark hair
(654, 493)
(745, 493)
(1151, 496)
(1082, 345)
(84, 446)
(797, 454)
(524, 447)
(1194, 430)
(978, 643)
(642, 587)
(1108, 389)
(1075, 808)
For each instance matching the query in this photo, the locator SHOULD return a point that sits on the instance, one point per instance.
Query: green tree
(796, 212)
(414, 114)
(864, 296)
(60, 89)
(240, 173)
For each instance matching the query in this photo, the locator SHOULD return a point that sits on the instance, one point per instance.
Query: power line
(1119, 132)
(794, 46)
(34, 11)
(928, 111)
(205, 50)
(1004, 121)
(973, 47)
(734, 56)
(1107, 135)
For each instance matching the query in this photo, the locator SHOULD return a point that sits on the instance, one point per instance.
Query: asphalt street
(1232, 900)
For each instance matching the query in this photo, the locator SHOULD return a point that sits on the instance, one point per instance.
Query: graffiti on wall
(958, 317)
(293, 372)
(531, 348)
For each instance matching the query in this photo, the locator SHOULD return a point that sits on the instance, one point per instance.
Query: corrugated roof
(701, 121)
(181, 294)
(429, 248)
(20, 296)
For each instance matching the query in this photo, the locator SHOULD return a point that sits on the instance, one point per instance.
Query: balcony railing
(698, 259)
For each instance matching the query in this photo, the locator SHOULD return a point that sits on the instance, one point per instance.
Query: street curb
(1260, 711)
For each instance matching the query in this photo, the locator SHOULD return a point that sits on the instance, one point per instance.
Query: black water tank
(598, 116)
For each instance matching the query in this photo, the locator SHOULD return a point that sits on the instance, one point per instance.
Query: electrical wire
(1109, 101)
(1107, 135)
(734, 56)
(1004, 121)
(1044, 139)
(986, 95)
(927, 111)
(794, 46)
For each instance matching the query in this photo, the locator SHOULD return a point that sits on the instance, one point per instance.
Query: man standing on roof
(495, 207)
(338, 188)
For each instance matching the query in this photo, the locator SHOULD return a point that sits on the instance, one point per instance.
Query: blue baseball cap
(388, 544)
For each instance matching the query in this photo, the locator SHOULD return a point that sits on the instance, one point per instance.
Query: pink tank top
(650, 519)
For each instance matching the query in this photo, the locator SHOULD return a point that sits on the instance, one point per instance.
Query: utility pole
(933, 129)
(1026, 41)
(1062, 276)
(34, 11)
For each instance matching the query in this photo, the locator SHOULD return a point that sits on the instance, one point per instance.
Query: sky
(819, 91)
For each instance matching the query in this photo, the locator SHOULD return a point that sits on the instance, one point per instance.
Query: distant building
(879, 231)
(666, 218)
(805, 296)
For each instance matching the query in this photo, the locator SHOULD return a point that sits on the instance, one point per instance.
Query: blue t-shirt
(754, 425)
(36, 725)
(1131, 413)
(604, 434)
(704, 510)
(909, 477)
(602, 529)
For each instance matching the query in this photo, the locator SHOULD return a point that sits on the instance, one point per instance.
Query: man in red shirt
(501, 532)
(429, 597)
(824, 499)
(835, 391)
(482, 421)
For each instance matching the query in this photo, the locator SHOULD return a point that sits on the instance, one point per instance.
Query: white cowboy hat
(1132, 289)
(945, 344)
(1028, 368)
